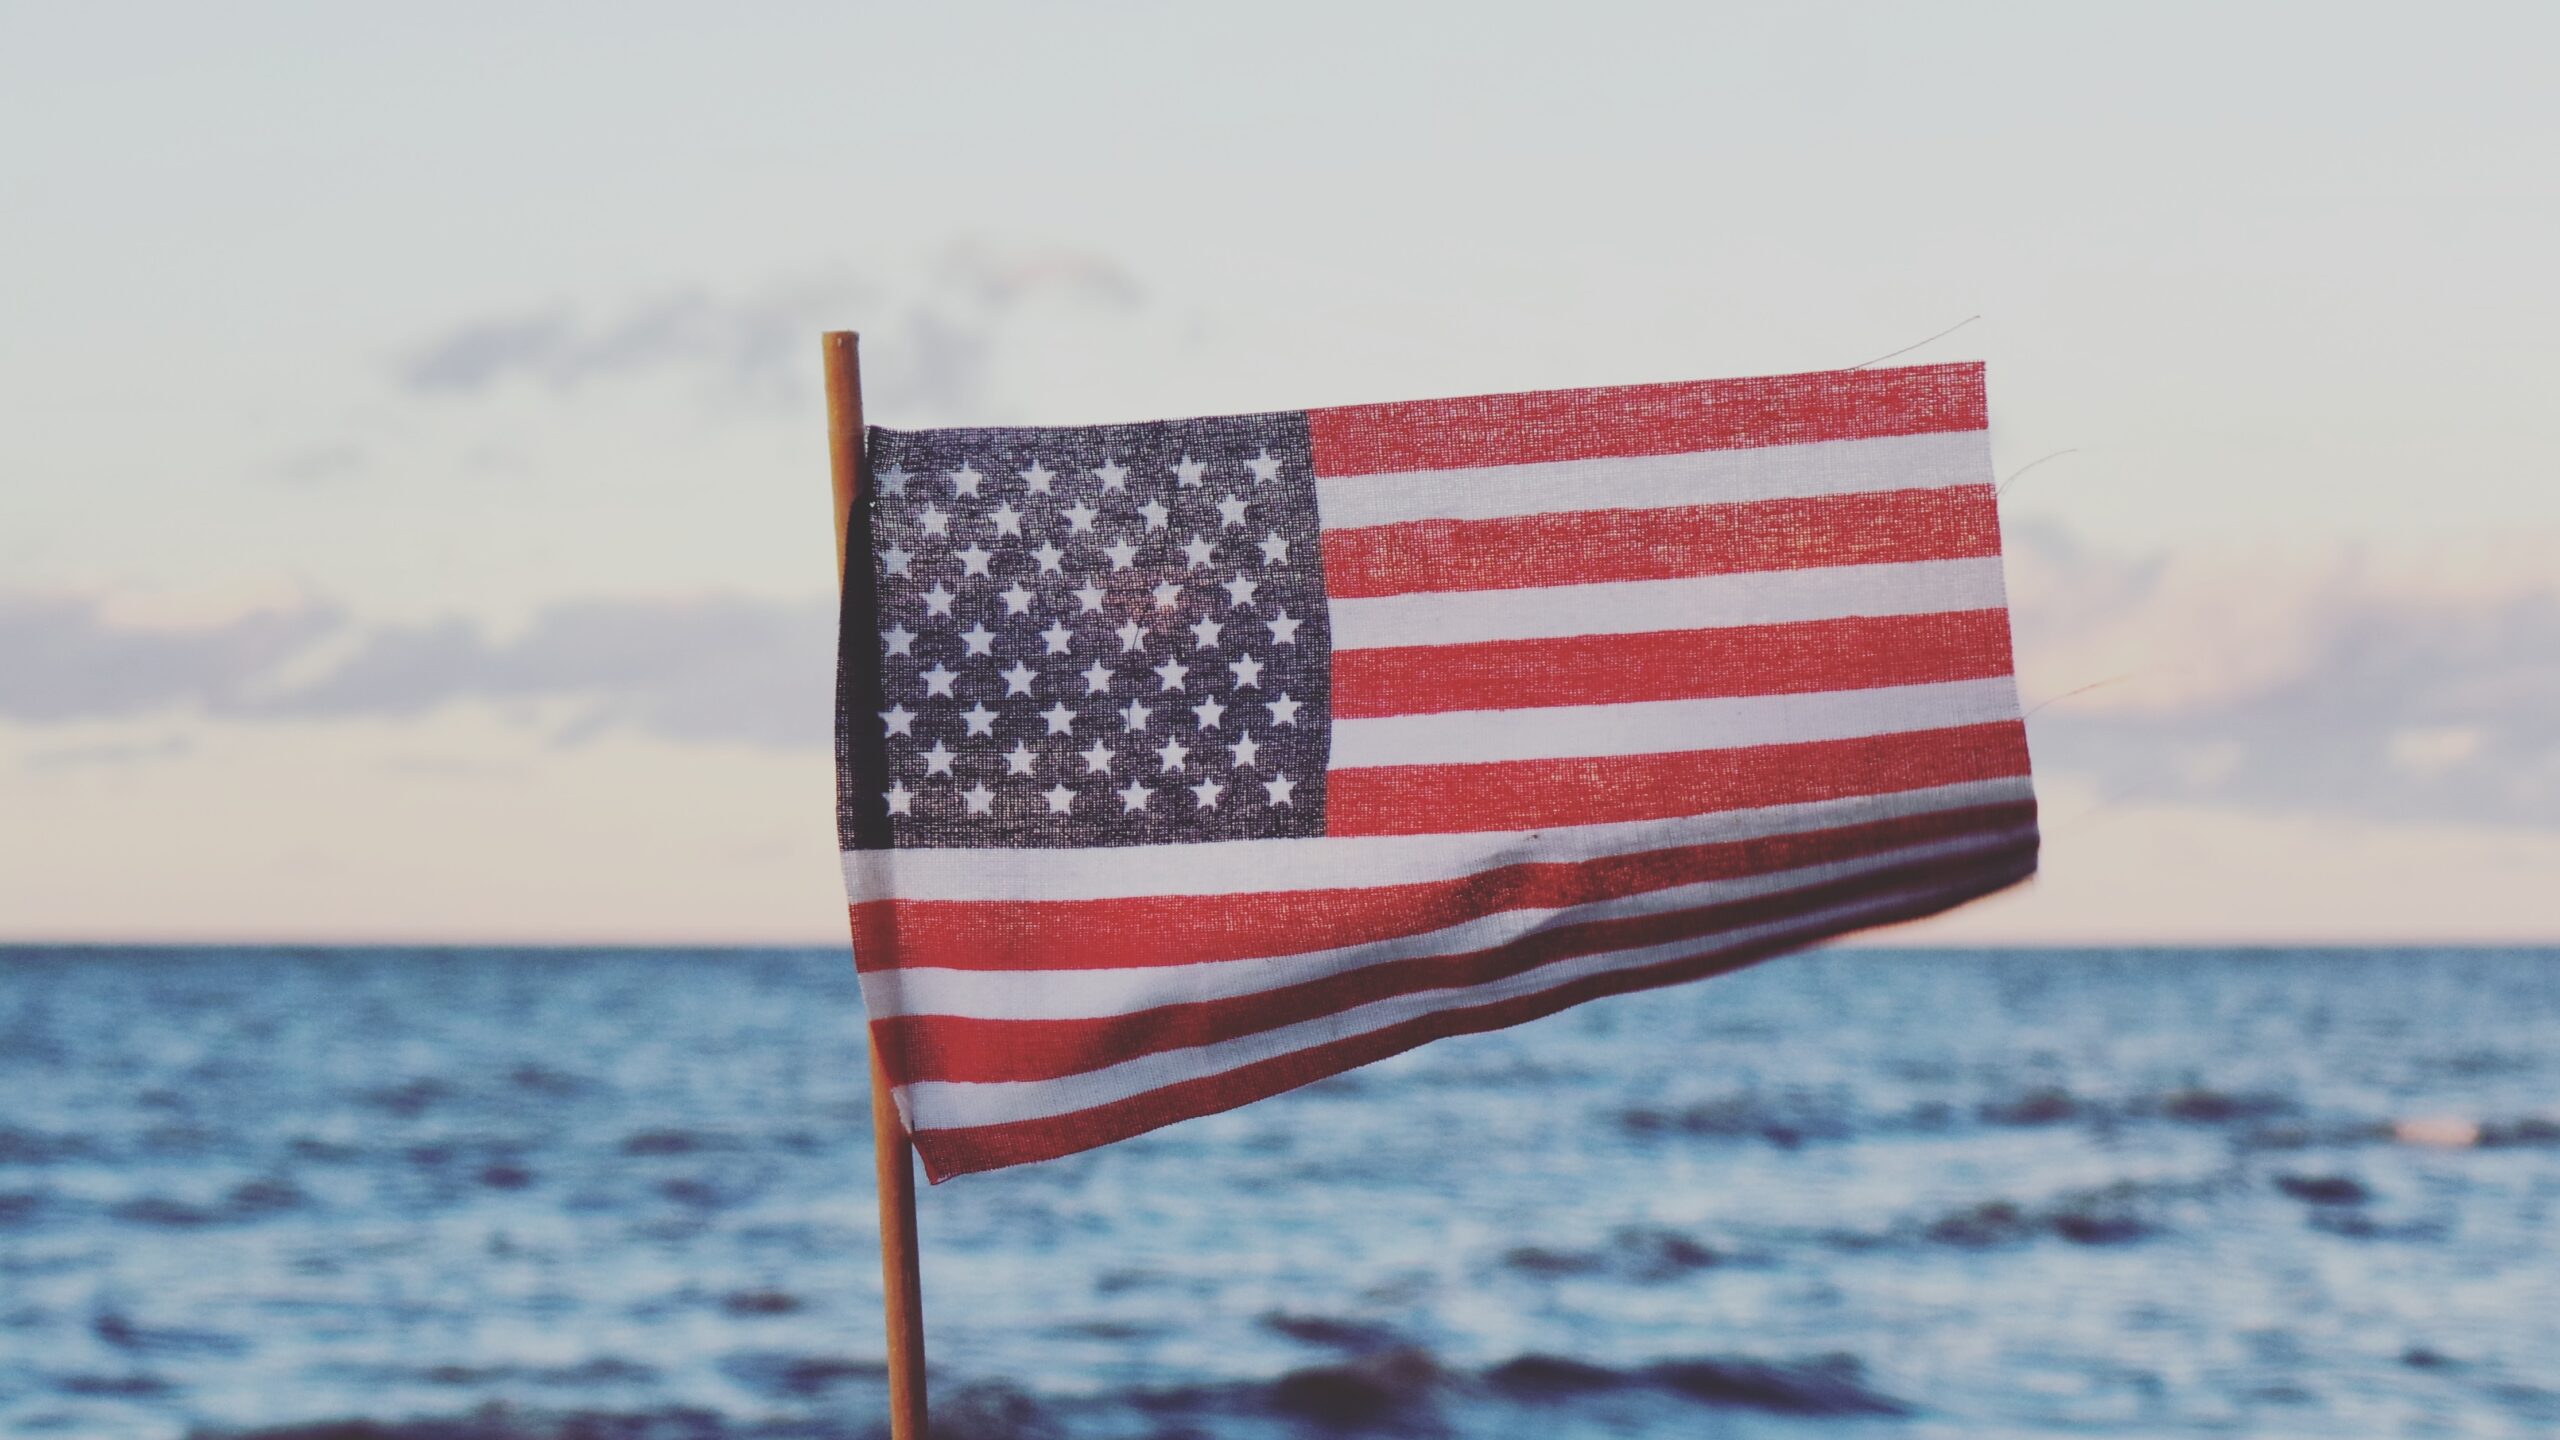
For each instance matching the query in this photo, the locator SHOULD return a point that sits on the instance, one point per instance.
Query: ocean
(472, 1194)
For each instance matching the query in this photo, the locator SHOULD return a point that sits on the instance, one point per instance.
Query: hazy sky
(413, 501)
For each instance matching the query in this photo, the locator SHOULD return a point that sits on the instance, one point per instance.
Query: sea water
(483, 1193)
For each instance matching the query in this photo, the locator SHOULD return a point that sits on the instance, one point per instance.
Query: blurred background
(413, 532)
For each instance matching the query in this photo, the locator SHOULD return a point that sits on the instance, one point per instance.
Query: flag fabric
(1188, 762)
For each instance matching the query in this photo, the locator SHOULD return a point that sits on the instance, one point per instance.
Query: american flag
(1184, 763)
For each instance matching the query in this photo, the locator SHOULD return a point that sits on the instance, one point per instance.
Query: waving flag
(1188, 762)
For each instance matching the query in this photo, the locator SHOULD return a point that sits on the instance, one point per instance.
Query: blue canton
(1108, 635)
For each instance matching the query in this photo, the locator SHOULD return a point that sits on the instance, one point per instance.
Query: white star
(1210, 711)
(1173, 753)
(1284, 711)
(1088, 598)
(1248, 672)
(937, 761)
(1156, 514)
(1204, 633)
(1057, 636)
(1017, 681)
(1122, 553)
(1187, 474)
(937, 681)
(1008, 520)
(900, 721)
(901, 800)
(1048, 555)
(964, 481)
(1168, 594)
(1133, 797)
(1265, 466)
(1206, 793)
(1278, 787)
(937, 601)
(1171, 673)
(982, 721)
(981, 799)
(1097, 759)
(893, 481)
(1245, 749)
(1132, 635)
(898, 560)
(1062, 721)
(1079, 518)
(1113, 475)
(935, 519)
(973, 559)
(1284, 631)
(900, 639)
(1199, 551)
(1275, 551)
(1231, 511)
(1059, 798)
(1035, 481)
(1017, 600)
(979, 639)
(1097, 679)
(1017, 761)
(1240, 592)
(1134, 715)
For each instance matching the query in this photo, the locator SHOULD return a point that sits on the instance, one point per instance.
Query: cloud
(942, 328)
(740, 341)
(709, 669)
(2317, 688)
(68, 658)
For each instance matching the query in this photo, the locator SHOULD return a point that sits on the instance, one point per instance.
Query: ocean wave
(2123, 1212)
(1400, 1390)
(1639, 1254)
(38, 1147)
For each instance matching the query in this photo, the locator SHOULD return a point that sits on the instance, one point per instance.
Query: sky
(413, 485)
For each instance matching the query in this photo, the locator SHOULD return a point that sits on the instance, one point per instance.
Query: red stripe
(1858, 653)
(987, 1147)
(944, 1047)
(1646, 419)
(1583, 547)
(1185, 930)
(1532, 794)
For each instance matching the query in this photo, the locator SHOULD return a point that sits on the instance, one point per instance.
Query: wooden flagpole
(893, 1158)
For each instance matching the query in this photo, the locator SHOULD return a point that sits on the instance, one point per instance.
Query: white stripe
(956, 1104)
(1700, 602)
(1648, 482)
(1331, 862)
(1084, 994)
(1653, 727)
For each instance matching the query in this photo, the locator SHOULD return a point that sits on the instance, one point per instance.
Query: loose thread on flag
(2032, 710)
(1916, 344)
(2004, 485)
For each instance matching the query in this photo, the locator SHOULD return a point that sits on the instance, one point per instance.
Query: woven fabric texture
(1188, 762)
